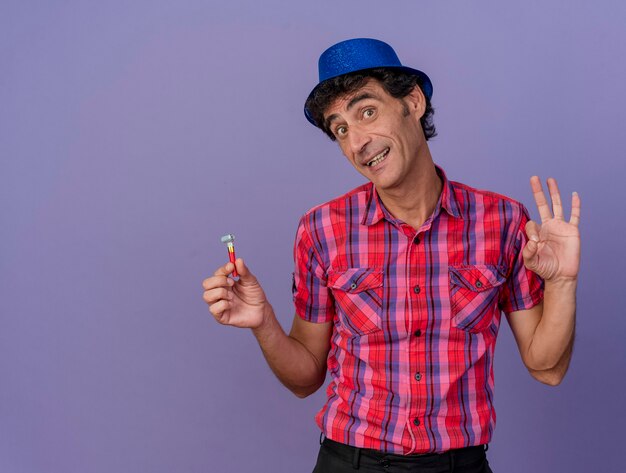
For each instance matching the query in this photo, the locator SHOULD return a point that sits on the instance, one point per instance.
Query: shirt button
(416, 421)
(416, 289)
(417, 333)
(418, 376)
(353, 285)
(479, 284)
(416, 240)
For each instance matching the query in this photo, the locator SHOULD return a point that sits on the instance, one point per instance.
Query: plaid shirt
(415, 314)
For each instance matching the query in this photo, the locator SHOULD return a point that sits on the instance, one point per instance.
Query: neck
(415, 200)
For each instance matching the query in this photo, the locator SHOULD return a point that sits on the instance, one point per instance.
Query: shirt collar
(375, 211)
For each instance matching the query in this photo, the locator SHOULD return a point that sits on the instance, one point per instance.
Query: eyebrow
(351, 103)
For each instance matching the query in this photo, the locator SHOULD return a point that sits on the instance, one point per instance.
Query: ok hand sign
(553, 248)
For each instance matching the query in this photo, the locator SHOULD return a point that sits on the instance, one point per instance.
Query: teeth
(378, 158)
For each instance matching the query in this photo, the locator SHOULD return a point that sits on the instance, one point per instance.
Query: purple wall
(134, 134)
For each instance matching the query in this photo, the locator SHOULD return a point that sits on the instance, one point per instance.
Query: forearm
(554, 333)
(292, 363)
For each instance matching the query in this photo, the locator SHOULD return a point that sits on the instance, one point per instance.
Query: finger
(215, 295)
(540, 199)
(224, 270)
(219, 311)
(245, 275)
(532, 230)
(555, 196)
(575, 218)
(217, 281)
(529, 253)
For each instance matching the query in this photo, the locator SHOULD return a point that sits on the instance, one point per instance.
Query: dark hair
(396, 82)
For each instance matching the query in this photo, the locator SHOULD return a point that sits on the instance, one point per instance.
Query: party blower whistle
(229, 240)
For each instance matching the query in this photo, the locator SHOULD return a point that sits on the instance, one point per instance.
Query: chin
(386, 182)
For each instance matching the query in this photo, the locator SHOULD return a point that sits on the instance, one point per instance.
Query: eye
(341, 131)
(368, 113)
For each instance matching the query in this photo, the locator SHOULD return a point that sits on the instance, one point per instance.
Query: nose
(358, 139)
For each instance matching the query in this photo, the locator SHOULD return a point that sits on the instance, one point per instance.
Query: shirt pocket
(474, 292)
(358, 297)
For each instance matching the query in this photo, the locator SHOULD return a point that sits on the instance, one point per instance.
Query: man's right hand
(240, 303)
(297, 359)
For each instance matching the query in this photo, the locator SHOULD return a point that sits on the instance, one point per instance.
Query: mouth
(379, 158)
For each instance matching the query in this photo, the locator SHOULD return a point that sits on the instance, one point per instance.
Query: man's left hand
(553, 248)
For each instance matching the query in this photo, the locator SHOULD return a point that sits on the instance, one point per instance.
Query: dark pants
(339, 458)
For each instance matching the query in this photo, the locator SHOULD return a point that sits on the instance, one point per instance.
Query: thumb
(245, 275)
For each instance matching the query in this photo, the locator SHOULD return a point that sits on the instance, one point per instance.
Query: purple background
(134, 134)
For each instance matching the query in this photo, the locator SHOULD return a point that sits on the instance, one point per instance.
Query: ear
(416, 101)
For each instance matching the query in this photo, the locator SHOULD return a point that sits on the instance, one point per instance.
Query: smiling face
(380, 135)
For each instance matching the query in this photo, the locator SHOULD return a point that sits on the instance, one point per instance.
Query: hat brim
(425, 84)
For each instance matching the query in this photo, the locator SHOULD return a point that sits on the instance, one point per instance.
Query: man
(399, 283)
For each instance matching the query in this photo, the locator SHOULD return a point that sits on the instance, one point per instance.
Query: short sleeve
(312, 299)
(523, 288)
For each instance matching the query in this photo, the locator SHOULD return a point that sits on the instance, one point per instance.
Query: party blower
(229, 240)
